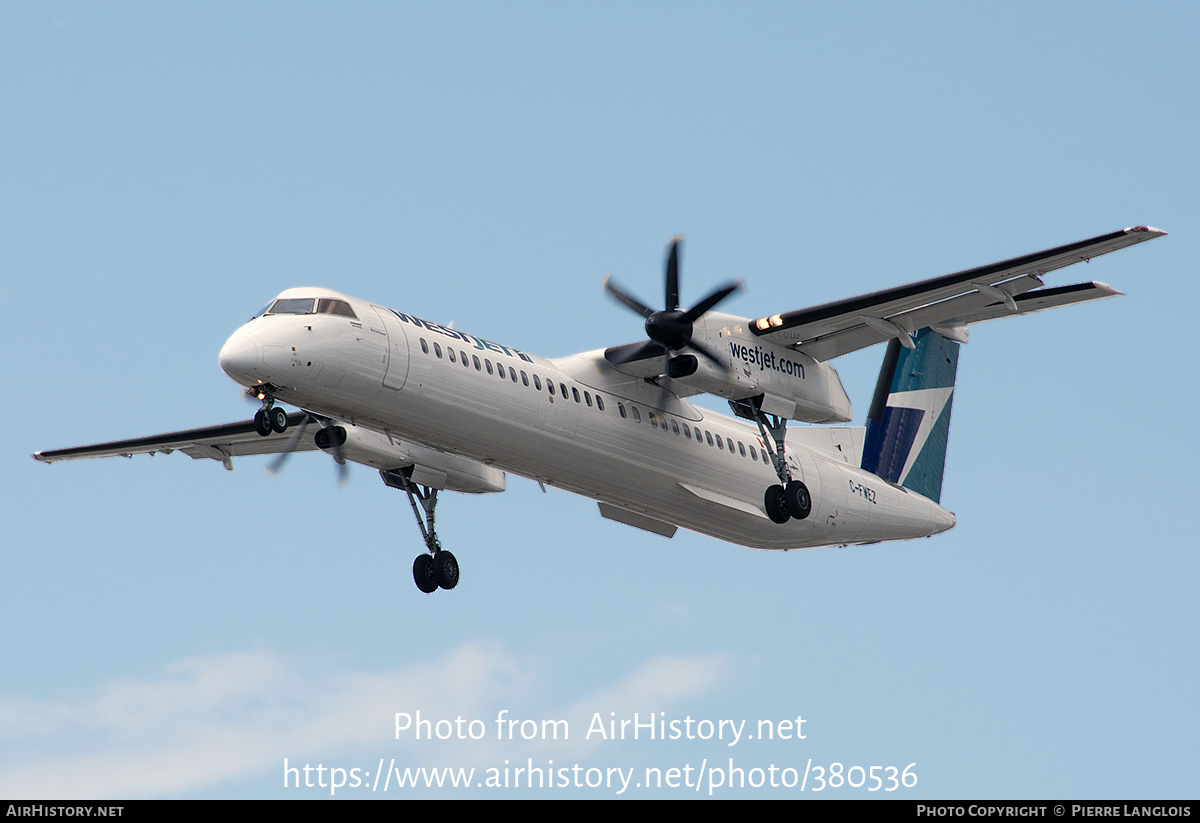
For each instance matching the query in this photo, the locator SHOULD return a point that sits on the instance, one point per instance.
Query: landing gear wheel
(278, 418)
(445, 569)
(796, 500)
(262, 422)
(423, 573)
(775, 504)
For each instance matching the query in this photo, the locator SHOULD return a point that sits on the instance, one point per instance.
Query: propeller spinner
(670, 330)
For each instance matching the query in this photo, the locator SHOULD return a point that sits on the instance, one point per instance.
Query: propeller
(330, 437)
(335, 436)
(275, 465)
(670, 330)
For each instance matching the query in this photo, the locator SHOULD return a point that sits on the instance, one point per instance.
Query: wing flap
(860, 336)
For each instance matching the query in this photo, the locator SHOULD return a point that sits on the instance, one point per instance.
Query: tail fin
(909, 421)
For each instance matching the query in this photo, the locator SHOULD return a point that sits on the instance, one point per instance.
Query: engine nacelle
(792, 384)
(429, 467)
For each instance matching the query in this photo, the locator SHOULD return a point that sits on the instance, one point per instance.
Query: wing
(221, 443)
(949, 302)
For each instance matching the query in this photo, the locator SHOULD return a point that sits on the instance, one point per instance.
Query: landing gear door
(396, 369)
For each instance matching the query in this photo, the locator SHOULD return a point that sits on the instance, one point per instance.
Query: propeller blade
(339, 458)
(699, 349)
(621, 297)
(275, 465)
(712, 300)
(664, 382)
(638, 351)
(673, 274)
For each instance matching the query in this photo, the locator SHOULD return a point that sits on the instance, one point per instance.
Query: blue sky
(176, 630)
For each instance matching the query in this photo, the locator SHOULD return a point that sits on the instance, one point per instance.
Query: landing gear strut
(438, 568)
(788, 498)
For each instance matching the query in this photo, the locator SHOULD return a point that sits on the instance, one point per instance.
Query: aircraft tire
(797, 500)
(262, 423)
(423, 574)
(774, 503)
(445, 569)
(278, 418)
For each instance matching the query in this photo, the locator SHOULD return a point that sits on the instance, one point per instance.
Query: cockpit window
(328, 305)
(302, 305)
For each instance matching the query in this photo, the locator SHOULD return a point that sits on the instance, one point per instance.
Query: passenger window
(488, 365)
(450, 354)
(720, 445)
(729, 443)
(674, 427)
(437, 349)
(621, 409)
(512, 373)
(600, 402)
(424, 346)
(708, 437)
(637, 416)
(537, 383)
(563, 386)
(741, 449)
(653, 421)
(550, 386)
(475, 360)
(687, 432)
(524, 378)
(575, 393)
(587, 398)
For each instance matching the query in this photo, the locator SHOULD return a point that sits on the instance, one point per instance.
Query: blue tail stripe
(899, 429)
(915, 414)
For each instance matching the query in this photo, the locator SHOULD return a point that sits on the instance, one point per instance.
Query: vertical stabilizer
(909, 421)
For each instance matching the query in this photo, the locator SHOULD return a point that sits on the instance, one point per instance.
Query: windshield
(302, 305)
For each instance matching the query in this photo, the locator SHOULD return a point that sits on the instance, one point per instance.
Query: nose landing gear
(270, 418)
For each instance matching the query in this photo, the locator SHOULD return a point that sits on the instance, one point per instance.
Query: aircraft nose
(239, 357)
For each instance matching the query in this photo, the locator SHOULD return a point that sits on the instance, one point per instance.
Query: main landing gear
(438, 568)
(788, 498)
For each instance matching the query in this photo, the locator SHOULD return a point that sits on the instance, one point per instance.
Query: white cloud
(213, 720)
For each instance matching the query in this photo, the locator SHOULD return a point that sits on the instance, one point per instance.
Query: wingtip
(1149, 230)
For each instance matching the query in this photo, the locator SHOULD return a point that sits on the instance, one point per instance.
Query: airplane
(434, 409)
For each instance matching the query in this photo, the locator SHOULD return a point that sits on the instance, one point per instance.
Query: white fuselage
(613, 438)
